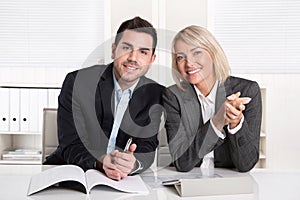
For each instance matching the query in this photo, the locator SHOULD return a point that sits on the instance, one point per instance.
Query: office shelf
(263, 134)
(20, 133)
(21, 116)
(21, 162)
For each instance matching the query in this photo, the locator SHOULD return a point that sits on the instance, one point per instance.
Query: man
(101, 108)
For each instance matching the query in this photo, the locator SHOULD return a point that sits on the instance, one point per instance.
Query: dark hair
(139, 25)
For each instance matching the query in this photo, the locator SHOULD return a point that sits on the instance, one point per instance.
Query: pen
(128, 144)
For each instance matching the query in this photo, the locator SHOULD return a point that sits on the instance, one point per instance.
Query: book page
(130, 184)
(55, 175)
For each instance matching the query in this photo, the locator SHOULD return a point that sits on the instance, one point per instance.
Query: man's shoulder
(90, 70)
(149, 83)
(85, 79)
(148, 91)
(86, 75)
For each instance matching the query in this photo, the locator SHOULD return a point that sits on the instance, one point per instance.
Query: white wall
(282, 120)
(175, 14)
(123, 10)
(180, 14)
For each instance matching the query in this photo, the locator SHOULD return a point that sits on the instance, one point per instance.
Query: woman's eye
(197, 53)
(179, 58)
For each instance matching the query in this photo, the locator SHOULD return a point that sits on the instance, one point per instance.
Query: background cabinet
(263, 134)
(21, 121)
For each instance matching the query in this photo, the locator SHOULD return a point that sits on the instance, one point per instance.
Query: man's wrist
(99, 162)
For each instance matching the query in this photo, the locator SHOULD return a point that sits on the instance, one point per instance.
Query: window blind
(259, 36)
(43, 33)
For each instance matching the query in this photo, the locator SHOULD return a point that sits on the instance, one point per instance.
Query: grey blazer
(190, 139)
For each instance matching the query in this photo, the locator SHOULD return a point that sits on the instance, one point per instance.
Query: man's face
(132, 57)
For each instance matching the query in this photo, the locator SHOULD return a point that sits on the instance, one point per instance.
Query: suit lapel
(192, 107)
(106, 87)
(137, 102)
(106, 91)
(223, 90)
(137, 96)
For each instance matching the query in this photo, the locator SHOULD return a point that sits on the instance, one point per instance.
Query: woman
(210, 114)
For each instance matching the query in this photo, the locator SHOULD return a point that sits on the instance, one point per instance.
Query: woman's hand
(231, 112)
(234, 107)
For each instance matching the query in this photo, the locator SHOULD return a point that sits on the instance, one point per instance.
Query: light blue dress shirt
(121, 103)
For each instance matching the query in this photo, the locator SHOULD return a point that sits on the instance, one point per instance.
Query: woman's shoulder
(180, 92)
(181, 89)
(172, 90)
(242, 84)
(234, 80)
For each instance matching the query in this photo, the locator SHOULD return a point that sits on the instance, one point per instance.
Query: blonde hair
(201, 37)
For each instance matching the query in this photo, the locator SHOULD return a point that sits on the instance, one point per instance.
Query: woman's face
(194, 64)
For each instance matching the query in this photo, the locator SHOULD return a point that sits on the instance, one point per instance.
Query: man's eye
(144, 52)
(125, 48)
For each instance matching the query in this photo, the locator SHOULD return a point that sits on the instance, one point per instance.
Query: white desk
(270, 185)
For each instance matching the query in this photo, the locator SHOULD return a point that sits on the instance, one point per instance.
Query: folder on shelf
(24, 110)
(4, 109)
(38, 100)
(33, 111)
(14, 110)
(42, 103)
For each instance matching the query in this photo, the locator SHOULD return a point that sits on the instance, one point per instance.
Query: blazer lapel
(223, 90)
(106, 98)
(192, 107)
(137, 101)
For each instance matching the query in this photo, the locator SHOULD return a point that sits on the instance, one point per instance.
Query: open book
(89, 179)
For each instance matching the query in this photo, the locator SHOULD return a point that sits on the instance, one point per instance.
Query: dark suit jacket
(190, 139)
(85, 118)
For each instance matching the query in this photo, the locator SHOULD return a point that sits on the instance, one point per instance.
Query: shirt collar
(211, 97)
(118, 87)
